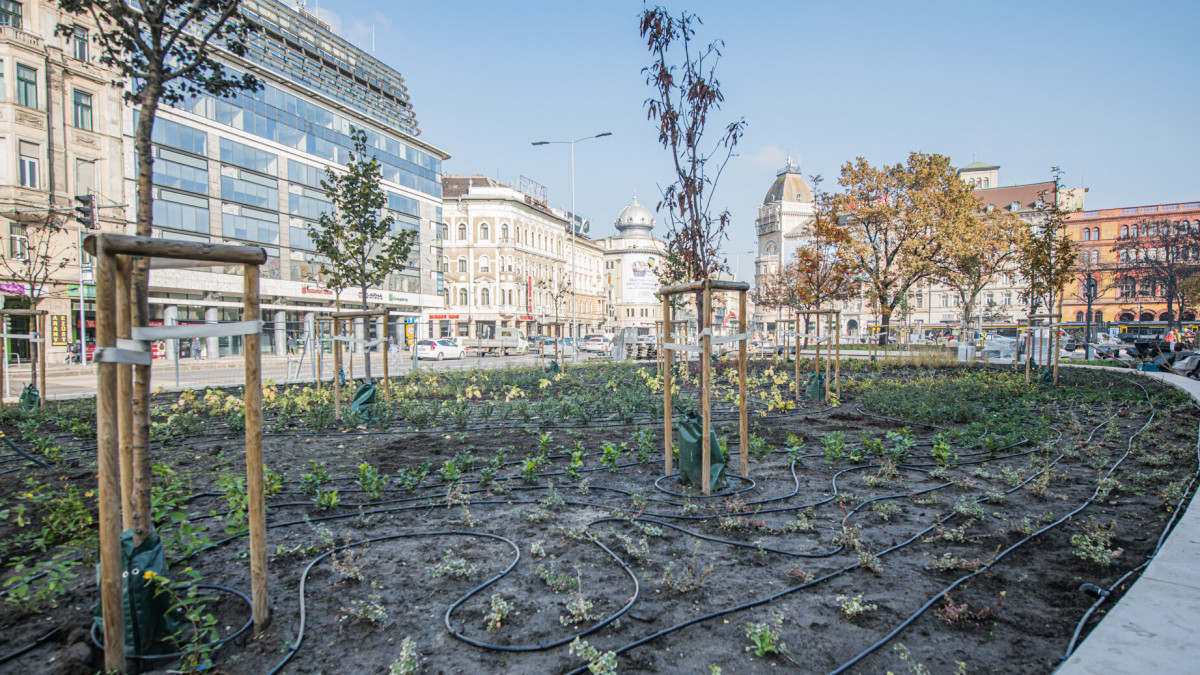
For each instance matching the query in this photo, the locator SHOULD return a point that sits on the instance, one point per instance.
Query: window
(252, 189)
(1134, 231)
(3, 96)
(18, 242)
(83, 110)
(1124, 230)
(462, 296)
(445, 231)
(27, 86)
(85, 176)
(79, 42)
(10, 13)
(1096, 257)
(485, 264)
(485, 297)
(248, 157)
(180, 211)
(985, 182)
(1095, 234)
(462, 232)
(29, 164)
(462, 265)
(1087, 234)
(484, 233)
(504, 233)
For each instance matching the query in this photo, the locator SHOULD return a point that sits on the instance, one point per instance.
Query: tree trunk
(139, 286)
(366, 336)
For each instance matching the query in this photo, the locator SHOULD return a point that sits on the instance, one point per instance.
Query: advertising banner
(639, 278)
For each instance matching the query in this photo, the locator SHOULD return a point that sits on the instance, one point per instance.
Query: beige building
(631, 260)
(60, 136)
(507, 262)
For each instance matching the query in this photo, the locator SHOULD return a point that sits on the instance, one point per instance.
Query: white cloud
(768, 156)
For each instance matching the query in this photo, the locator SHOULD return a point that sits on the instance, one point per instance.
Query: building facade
(248, 170)
(507, 262)
(632, 258)
(60, 136)
(1123, 297)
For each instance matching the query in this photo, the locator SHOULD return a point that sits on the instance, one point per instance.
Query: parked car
(646, 339)
(439, 349)
(551, 347)
(594, 343)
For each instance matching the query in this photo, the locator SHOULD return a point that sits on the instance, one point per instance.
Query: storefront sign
(315, 290)
(443, 316)
(15, 289)
(59, 334)
(88, 291)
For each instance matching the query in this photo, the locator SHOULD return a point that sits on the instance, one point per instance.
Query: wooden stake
(107, 465)
(828, 365)
(1028, 349)
(705, 385)
(124, 268)
(1057, 342)
(257, 514)
(337, 367)
(320, 364)
(743, 417)
(667, 354)
(837, 343)
(41, 319)
(387, 353)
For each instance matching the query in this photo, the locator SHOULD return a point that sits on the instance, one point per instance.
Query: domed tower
(784, 221)
(631, 261)
(635, 221)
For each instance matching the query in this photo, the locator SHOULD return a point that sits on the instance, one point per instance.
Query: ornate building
(631, 260)
(507, 262)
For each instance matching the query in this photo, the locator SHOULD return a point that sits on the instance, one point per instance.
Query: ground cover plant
(518, 520)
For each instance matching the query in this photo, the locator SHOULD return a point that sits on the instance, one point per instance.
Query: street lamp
(574, 310)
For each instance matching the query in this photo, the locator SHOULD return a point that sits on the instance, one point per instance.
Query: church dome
(635, 220)
(789, 186)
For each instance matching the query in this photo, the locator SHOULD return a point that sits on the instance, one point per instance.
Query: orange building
(1097, 232)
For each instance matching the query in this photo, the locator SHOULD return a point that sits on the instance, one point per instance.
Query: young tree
(359, 246)
(984, 245)
(1159, 255)
(686, 94)
(161, 52)
(558, 290)
(41, 254)
(1048, 260)
(896, 220)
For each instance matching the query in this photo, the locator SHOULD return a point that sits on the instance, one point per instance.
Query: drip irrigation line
(98, 642)
(29, 647)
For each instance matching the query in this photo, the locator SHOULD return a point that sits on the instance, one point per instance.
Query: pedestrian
(196, 356)
(73, 352)
(291, 344)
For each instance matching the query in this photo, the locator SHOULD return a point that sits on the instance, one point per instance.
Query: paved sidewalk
(1153, 629)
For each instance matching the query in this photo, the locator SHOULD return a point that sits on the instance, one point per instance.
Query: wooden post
(705, 385)
(320, 364)
(257, 514)
(1057, 342)
(828, 365)
(107, 464)
(743, 417)
(1028, 348)
(837, 345)
(41, 319)
(3, 356)
(337, 367)
(796, 361)
(124, 269)
(387, 382)
(667, 444)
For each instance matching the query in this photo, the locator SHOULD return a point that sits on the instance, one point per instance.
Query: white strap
(731, 338)
(683, 348)
(188, 331)
(131, 345)
(360, 341)
(122, 356)
(817, 338)
(21, 336)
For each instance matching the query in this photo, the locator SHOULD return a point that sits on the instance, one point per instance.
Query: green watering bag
(691, 455)
(146, 619)
(816, 387)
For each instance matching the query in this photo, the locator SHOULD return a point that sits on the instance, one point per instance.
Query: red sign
(527, 318)
(443, 316)
(317, 290)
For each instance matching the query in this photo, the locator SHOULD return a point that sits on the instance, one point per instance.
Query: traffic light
(85, 213)
(1091, 287)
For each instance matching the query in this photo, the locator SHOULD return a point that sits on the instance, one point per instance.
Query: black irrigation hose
(987, 566)
(29, 647)
(1104, 594)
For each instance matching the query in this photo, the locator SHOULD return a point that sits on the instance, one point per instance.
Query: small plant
(834, 445)
(686, 579)
(455, 567)
(559, 582)
(413, 477)
(408, 663)
(1093, 544)
(902, 444)
(886, 509)
(317, 477)
(795, 446)
(272, 482)
(371, 482)
(610, 456)
(764, 637)
(599, 663)
(967, 507)
(544, 442)
(942, 453)
(580, 610)
(529, 468)
(537, 550)
(854, 606)
(872, 446)
(190, 609)
(552, 496)
(450, 471)
(348, 564)
(370, 610)
(953, 613)
(645, 445)
(759, 448)
(498, 613)
(328, 499)
(802, 523)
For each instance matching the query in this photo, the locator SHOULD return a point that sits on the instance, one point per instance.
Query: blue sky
(1108, 91)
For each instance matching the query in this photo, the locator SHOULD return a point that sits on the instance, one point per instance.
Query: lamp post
(571, 223)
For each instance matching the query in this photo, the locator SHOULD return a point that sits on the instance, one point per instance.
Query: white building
(631, 260)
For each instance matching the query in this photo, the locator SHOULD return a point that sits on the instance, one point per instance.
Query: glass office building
(248, 170)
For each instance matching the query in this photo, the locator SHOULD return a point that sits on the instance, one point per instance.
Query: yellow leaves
(543, 383)
(513, 392)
